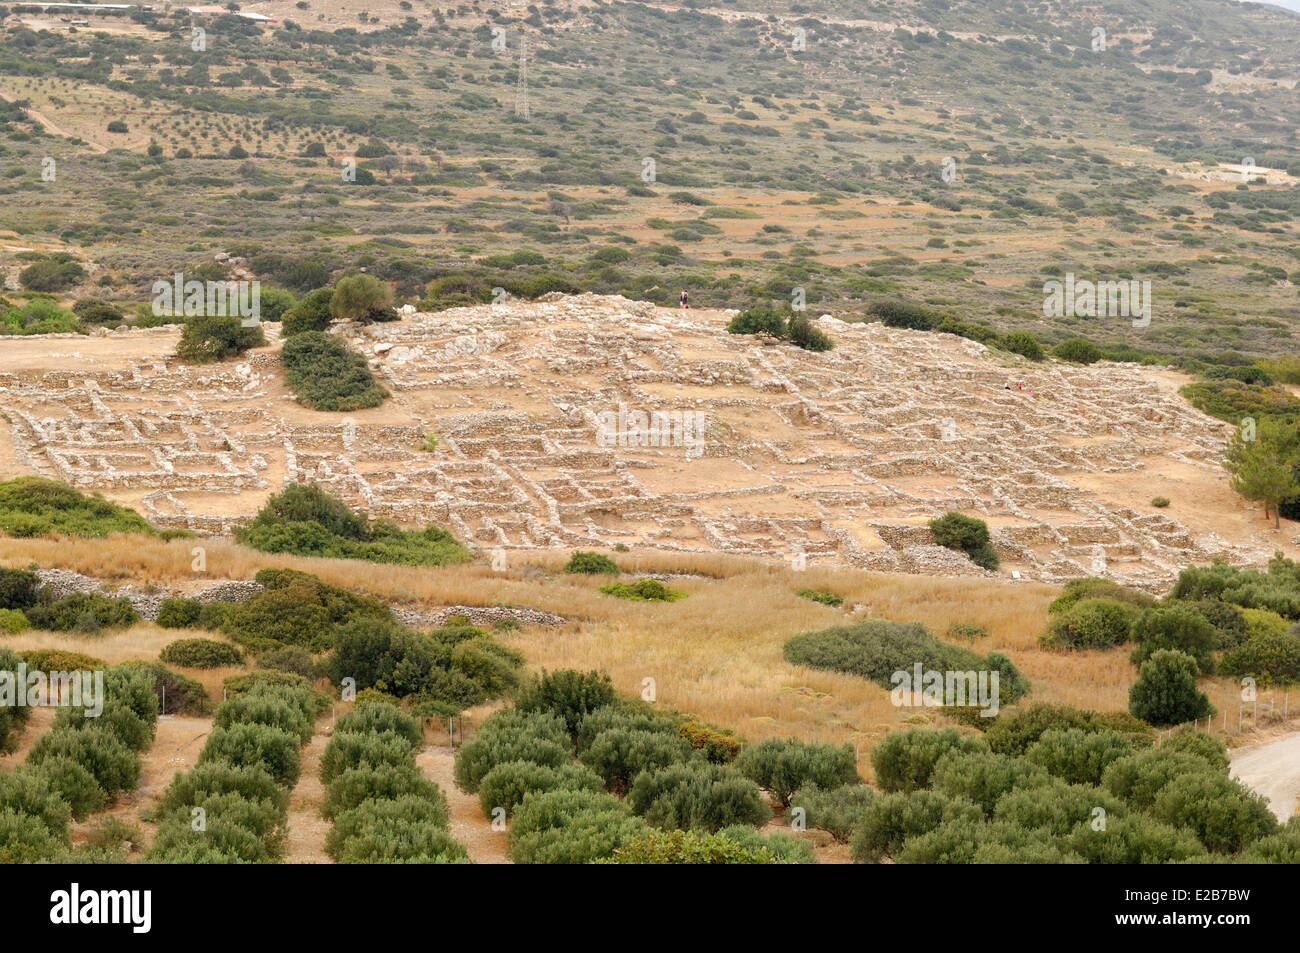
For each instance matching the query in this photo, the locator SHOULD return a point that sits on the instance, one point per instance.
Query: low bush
(307, 521)
(12, 621)
(1022, 343)
(1178, 627)
(325, 375)
(179, 694)
(591, 564)
(1223, 813)
(1091, 624)
(350, 749)
(876, 649)
(1015, 732)
(409, 830)
(982, 776)
(1076, 756)
(111, 763)
(570, 827)
(276, 709)
(783, 765)
(643, 590)
(905, 760)
(293, 659)
(35, 506)
(1077, 351)
(1056, 807)
(690, 847)
(382, 782)
(1269, 659)
(717, 745)
(252, 744)
(19, 588)
(618, 754)
(508, 783)
(200, 653)
(967, 534)
(1135, 839)
(1166, 693)
(836, 811)
(210, 338)
(697, 795)
(890, 819)
(1203, 745)
(377, 717)
(819, 595)
(1096, 587)
(176, 612)
(512, 735)
(83, 612)
(1139, 778)
(785, 848)
(568, 694)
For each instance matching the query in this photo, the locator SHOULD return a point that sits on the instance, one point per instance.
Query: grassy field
(716, 654)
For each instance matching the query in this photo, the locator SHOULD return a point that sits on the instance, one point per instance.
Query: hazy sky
(1289, 4)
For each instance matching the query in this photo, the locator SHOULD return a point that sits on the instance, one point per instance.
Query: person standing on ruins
(685, 303)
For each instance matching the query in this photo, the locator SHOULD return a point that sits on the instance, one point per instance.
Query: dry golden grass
(716, 654)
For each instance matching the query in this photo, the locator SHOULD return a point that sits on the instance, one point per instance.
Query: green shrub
(252, 782)
(1160, 502)
(19, 588)
(176, 612)
(1024, 344)
(1177, 627)
(113, 765)
(1139, 778)
(903, 314)
(1135, 839)
(801, 333)
(783, 765)
(1223, 813)
(12, 621)
(591, 564)
(221, 841)
(200, 653)
(408, 830)
(1205, 746)
(690, 847)
(696, 795)
(758, 321)
(643, 590)
(383, 782)
(963, 841)
(209, 338)
(890, 819)
(1095, 587)
(512, 735)
(836, 811)
(1014, 733)
(718, 746)
(967, 534)
(73, 783)
(360, 298)
(618, 755)
(326, 375)
(350, 749)
(261, 818)
(1166, 693)
(311, 313)
(298, 609)
(265, 708)
(129, 709)
(785, 848)
(508, 783)
(1091, 624)
(982, 776)
(819, 595)
(30, 791)
(180, 694)
(905, 760)
(25, 839)
(1270, 659)
(307, 521)
(1056, 807)
(1077, 351)
(293, 659)
(376, 718)
(567, 693)
(1077, 756)
(876, 649)
(255, 744)
(565, 826)
(84, 612)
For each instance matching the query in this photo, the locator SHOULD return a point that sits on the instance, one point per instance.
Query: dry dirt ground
(836, 458)
(1273, 770)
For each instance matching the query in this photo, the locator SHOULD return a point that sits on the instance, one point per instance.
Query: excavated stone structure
(840, 456)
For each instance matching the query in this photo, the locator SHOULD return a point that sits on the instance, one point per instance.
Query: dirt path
(176, 746)
(53, 127)
(467, 823)
(1273, 770)
(307, 829)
